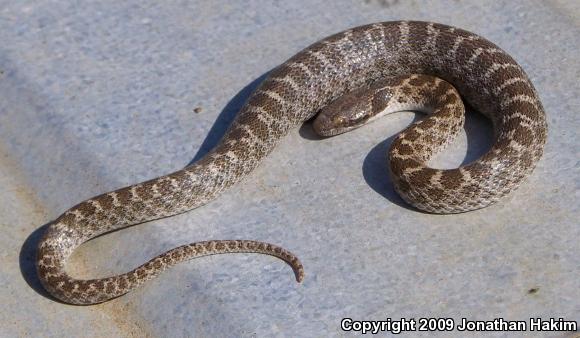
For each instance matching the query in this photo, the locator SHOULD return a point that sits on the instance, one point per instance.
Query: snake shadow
(226, 117)
(27, 259)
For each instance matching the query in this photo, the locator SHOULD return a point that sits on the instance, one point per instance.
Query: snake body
(485, 76)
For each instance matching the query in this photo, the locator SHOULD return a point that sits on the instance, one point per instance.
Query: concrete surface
(98, 95)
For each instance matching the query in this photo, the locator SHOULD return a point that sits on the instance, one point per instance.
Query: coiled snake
(381, 59)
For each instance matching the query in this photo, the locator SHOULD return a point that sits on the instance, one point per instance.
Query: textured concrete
(97, 96)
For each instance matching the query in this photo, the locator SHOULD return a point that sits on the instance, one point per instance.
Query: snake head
(348, 112)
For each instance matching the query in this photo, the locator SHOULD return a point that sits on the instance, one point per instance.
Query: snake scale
(327, 71)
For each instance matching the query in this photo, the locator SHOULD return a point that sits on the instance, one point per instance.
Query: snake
(343, 81)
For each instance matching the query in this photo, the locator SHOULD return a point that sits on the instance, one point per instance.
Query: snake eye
(339, 120)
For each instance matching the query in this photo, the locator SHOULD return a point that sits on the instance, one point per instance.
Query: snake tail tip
(299, 276)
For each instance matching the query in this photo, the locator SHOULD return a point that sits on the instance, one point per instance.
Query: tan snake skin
(487, 78)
